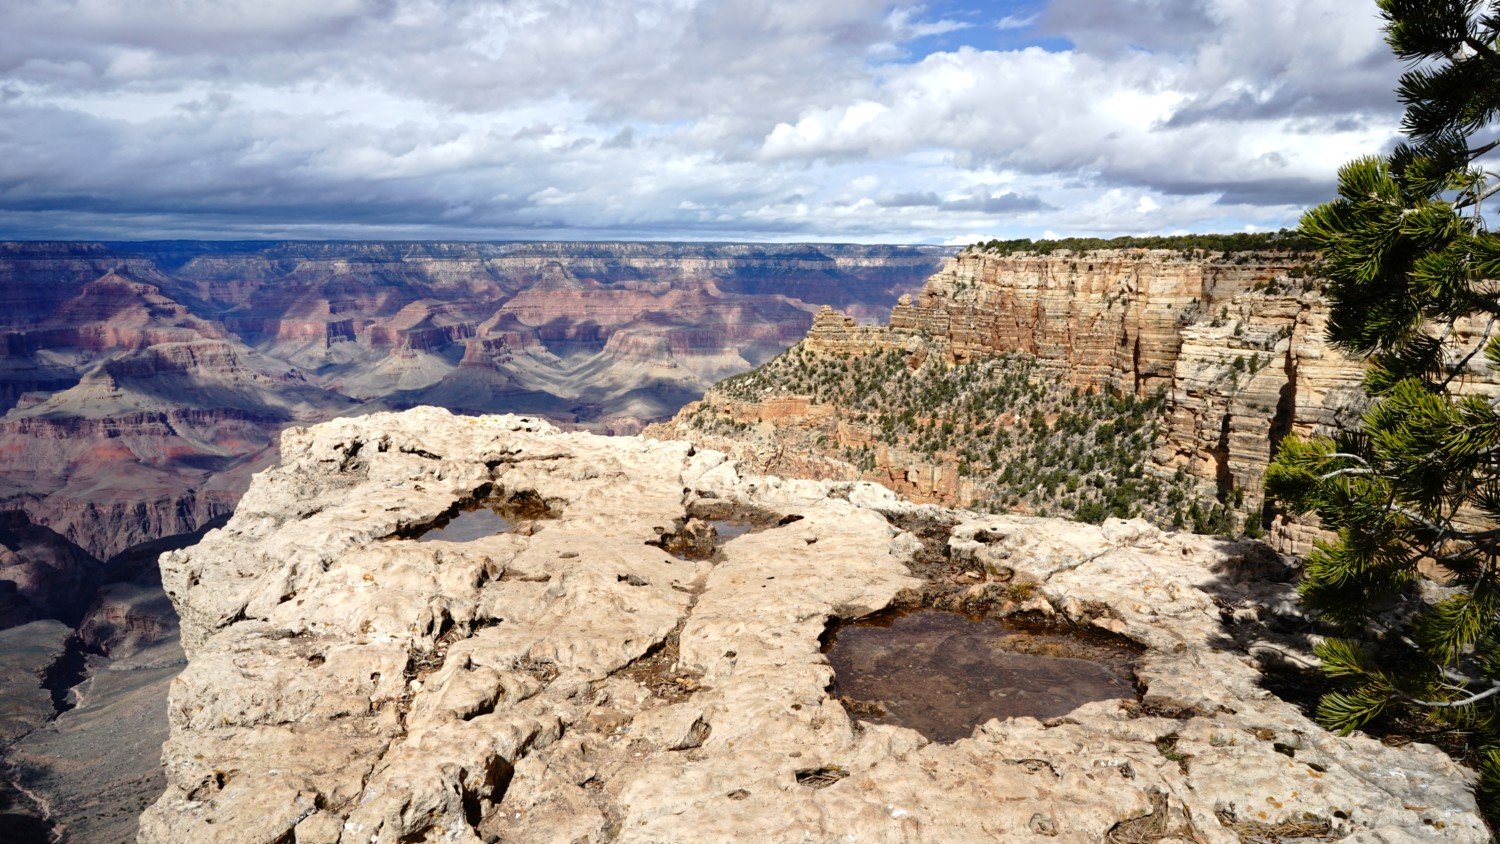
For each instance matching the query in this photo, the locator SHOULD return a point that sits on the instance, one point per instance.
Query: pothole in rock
(469, 526)
(942, 673)
(729, 529)
(699, 536)
(485, 515)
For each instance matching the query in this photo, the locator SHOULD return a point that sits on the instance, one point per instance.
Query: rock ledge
(573, 681)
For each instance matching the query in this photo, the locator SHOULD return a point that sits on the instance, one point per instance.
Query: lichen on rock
(575, 681)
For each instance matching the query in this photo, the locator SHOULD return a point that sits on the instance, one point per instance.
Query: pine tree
(1414, 493)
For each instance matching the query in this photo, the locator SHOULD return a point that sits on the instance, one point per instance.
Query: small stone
(1042, 825)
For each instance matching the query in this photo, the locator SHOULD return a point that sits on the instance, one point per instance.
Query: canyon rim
(723, 420)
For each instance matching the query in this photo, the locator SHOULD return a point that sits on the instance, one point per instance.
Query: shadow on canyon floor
(83, 769)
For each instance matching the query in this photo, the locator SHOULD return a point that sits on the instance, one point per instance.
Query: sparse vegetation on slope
(1279, 241)
(1026, 443)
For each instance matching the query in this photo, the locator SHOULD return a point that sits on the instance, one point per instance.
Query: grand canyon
(144, 383)
(149, 383)
(1229, 349)
(677, 421)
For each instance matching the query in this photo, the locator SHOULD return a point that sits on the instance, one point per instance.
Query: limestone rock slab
(570, 680)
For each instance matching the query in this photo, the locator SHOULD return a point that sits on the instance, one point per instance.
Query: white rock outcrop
(572, 681)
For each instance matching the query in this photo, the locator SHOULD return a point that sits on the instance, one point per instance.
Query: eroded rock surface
(27, 652)
(98, 764)
(572, 680)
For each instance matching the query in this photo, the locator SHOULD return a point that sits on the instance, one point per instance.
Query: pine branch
(1282, 653)
(1478, 198)
(1478, 151)
(1455, 704)
(1350, 471)
(1456, 677)
(1484, 50)
(1479, 347)
(1393, 507)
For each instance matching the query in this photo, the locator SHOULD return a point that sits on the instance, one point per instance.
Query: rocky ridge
(573, 679)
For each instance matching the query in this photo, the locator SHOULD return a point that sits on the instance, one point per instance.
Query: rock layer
(1236, 342)
(1110, 317)
(570, 680)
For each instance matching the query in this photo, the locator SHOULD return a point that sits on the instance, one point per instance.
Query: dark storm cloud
(1291, 191)
(1299, 192)
(927, 199)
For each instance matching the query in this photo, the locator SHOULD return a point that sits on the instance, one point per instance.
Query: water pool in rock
(727, 529)
(942, 674)
(468, 526)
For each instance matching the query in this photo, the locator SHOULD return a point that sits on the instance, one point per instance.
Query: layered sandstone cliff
(1105, 318)
(1234, 343)
(606, 670)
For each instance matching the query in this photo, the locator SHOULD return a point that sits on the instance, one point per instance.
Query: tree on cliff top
(1414, 494)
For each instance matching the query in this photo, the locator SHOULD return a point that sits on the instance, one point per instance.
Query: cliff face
(1261, 370)
(1103, 318)
(609, 666)
(1233, 343)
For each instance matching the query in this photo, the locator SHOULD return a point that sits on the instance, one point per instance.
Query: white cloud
(676, 118)
(1015, 22)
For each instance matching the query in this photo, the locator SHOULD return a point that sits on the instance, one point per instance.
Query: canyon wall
(1234, 342)
(145, 382)
(1106, 318)
(1237, 342)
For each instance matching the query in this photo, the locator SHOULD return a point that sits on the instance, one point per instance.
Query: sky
(948, 121)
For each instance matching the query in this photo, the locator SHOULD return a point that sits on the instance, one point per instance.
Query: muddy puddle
(468, 526)
(942, 674)
(488, 513)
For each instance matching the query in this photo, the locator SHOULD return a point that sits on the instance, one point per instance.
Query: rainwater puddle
(728, 529)
(942, 674)
(468, 526)
(487, 514)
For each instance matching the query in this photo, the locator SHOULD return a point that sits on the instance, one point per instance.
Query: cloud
(679, 118)
(984, 202)
(927, 199)
(1312, 87)
(1015, 22)
(1115, 27)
